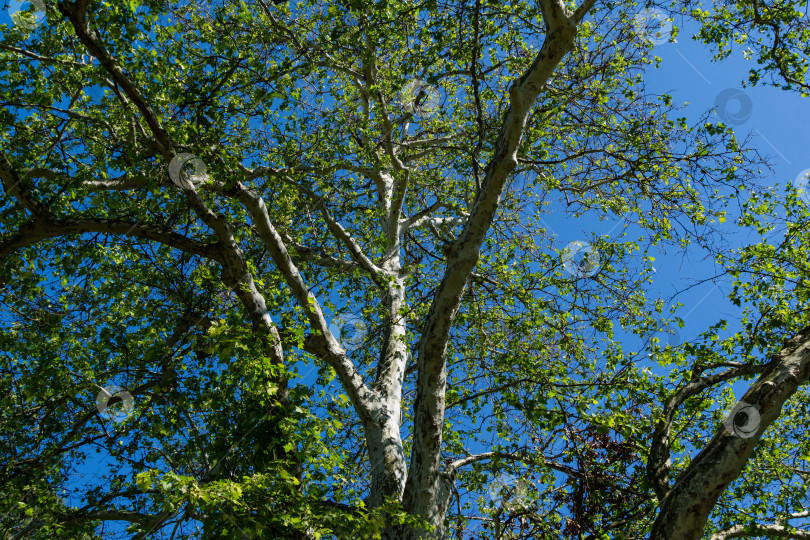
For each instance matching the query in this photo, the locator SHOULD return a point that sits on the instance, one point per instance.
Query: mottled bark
(423, 492)
(686, 507)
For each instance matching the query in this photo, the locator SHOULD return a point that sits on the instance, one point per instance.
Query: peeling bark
(423, 492)
(686, 508)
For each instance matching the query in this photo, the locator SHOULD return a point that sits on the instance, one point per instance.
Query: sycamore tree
(280, 270)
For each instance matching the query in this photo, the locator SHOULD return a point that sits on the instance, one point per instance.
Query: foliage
(339, 116)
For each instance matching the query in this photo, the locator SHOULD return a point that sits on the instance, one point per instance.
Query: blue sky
(777, 122)
(776, 119)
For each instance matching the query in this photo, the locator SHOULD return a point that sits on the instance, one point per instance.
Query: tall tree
(280, 270)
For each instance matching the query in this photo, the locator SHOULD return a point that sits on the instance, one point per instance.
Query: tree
(282, 267)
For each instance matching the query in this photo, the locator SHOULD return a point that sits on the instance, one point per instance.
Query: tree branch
(658, 462)
(322, 341)
(686, 508)
(771, 531)
(36, 230)
(451, 469)
(422, 488)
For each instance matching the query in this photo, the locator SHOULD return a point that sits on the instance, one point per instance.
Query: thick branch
(235, 270)
(323, 342)
(771, 531)
(40, 229)
(119, 183)
(451, 469)
(687, 506)
(337, 230)
(658, 462)
(11, 184)
(423, 482)
(76, 12)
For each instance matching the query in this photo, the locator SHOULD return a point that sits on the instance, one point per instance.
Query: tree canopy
(282, 270)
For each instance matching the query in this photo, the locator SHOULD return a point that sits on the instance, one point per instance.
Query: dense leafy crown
(282, 270)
